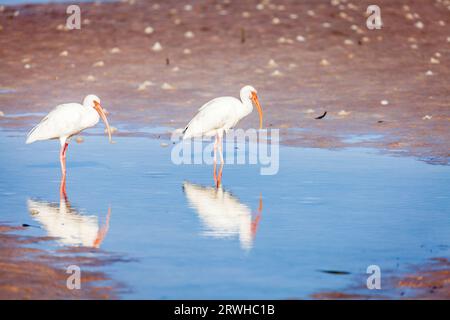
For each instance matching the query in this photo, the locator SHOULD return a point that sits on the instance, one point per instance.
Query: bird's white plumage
(65, 121)
(219, 115)
(216, 115)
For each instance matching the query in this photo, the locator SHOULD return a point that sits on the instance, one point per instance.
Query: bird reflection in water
(223, 215)
(67, 224)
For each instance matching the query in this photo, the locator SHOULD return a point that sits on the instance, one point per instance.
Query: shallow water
(324, 218)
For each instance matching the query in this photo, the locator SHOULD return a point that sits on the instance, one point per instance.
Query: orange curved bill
(258, 106)
(100, 111)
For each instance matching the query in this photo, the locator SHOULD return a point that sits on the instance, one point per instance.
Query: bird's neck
(248, 105)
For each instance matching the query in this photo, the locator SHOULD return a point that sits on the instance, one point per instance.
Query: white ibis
(67, 224)
(223, 215)
(219, 115)
(67, 120)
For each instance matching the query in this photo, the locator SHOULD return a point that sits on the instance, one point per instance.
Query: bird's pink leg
(62, 159)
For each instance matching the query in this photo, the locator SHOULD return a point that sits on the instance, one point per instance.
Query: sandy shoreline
(111, 55)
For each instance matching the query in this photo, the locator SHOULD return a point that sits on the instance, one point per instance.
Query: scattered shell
(309, 111)
(260, 6)
(245, 14)
(79, 140)
(187, 51)
(90, 78)
(98, 64)
(272, 64)
(188, 7)
(448, 39)
(276, 20)
(189, 34)
(434, 60)
(427, 117)
(166, 86)
(163, 144)
(156, 6)
(177, 21)
(144, 85)
(61, 27)
(409, 16)
(335, 2)
(414, 46)
(115, 50)
(300, 38)
(27, 66)
(441, 23)
(293, 16)
(86, 22)
(310, 13)
(285, 40)
(343, 113)
(292, 65)
(64, 53)
(175, 69)
(348, 42)
(437, 54)
(429, 73)
(326, 24)
(365, 39)
(324, 62)
(384, 102)
(149, 30)
(157, 47)
(276, 73)
(419, 25)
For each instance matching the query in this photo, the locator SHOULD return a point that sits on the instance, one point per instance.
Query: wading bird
(67, 120)
(219, 115)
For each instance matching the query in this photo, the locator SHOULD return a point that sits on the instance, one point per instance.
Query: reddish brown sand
(30, 273)
(376, 65)
(337, 68)
(430, 281)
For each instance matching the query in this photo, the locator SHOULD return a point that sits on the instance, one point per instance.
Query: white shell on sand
(157, 47)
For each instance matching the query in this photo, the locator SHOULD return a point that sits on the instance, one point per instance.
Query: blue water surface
(256, 237)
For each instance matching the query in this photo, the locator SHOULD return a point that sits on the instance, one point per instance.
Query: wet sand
(341, 67)
(31, 273)
(428, 281)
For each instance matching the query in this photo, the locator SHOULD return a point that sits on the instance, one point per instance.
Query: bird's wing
(213, 115)
(64, 120)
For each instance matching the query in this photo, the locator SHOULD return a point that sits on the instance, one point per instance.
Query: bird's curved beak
(258, 106)
(100, 111)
